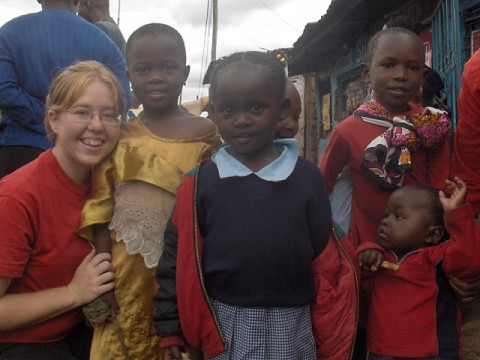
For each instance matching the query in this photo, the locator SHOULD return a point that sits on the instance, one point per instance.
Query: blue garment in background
(33, 49)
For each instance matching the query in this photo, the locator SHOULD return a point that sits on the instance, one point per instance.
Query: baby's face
(404, 227)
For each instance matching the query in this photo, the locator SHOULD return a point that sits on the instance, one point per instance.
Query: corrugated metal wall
(448, 57)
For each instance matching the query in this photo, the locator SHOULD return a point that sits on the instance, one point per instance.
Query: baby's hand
(458, 190)
(372, 258)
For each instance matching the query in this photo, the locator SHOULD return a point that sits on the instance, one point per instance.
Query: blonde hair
(70, 84)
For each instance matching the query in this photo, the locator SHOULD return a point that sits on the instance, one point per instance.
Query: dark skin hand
(172, 353)
(371, 259)
(103, 244)
(466, 292)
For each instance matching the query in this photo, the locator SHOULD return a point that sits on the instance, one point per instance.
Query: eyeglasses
(84, 115)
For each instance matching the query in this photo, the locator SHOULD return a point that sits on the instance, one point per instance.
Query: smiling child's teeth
(92, 142)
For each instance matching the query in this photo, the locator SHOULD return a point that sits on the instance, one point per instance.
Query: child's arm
(467, 292)
(461, 255)
(334, 159)
(166, 320)
(102, 241)
(91, 278)
(103, 244)
(370, 257)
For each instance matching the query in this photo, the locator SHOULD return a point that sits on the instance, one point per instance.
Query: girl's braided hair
(270, 66)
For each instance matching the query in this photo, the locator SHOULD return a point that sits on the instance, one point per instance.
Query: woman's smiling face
(78, 145)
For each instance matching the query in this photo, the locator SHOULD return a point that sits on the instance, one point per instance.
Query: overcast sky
(242, 25)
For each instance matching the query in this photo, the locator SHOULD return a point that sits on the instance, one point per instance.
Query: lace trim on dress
(140, 217)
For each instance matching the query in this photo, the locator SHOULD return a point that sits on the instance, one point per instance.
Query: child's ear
(434, 234)
(186, 72)
(365, 71)
(285, 108)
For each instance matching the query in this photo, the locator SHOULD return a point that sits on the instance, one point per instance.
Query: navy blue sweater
(261, 237)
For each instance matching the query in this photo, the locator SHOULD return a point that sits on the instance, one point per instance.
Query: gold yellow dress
(134, 191)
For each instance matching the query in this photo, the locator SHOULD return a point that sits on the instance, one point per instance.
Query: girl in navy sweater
(237, 269)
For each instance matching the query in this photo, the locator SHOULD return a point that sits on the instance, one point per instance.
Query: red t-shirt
(40, 209)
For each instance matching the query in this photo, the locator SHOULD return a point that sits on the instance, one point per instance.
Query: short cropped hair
(373, 42)
(434, 205)
(155, 29)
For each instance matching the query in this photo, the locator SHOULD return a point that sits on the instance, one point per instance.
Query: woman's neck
(78, 174)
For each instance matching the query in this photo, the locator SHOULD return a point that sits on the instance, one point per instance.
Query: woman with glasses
(47, 272)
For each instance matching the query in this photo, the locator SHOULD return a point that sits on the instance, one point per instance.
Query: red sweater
(346, 146)
(466, 159)
(413, 311)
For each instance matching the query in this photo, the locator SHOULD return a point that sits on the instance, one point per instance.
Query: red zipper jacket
(413, 311)
(184, 310)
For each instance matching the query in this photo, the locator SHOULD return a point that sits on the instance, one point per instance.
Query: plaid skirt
(265, 333)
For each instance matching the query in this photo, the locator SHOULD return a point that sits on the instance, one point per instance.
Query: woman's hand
(466, 292)
(93, 277)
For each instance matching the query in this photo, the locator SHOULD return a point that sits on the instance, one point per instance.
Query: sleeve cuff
(171, 340)
(459, 215)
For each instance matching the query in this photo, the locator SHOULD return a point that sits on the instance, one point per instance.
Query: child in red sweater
(413, 311)
(388, 142)
(383, 143)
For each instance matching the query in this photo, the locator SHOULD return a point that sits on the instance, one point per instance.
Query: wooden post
(214, 29)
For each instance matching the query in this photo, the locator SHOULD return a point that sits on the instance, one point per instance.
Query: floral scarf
(388, 156)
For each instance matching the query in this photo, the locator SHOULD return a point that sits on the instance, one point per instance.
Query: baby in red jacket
(413, 311)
